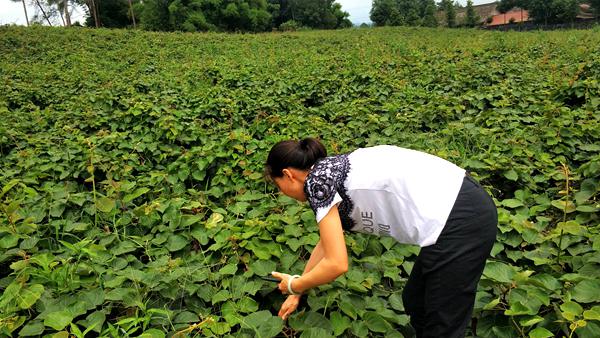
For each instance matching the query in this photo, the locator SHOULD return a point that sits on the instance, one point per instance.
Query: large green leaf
(9, 241)
(263, 324)
(34, 328)
(315, 332)
(135, 194)
(587, 291)
(58, 320)
(29, 295)
(540, 332)
(339, 323)
(176, 242)
(105, 204)
(500, 272)
(376, 323)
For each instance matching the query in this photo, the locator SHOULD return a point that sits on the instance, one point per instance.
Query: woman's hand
(283, 284)
(290, 305)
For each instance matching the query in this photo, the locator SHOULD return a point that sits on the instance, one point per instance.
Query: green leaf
(263, 267)
(229, 269)
(492, 304)
(499, 272)
(34, 328)
(592, 314)
(105, 204)
(359, 328)
(348, 309)
(219, 328)
(221, 296)
(396, 302)
(563, 205)
(119, 294)
(152, 333)
(214, 220)
(58, 320)
(511, 175)
(11, 291)
(587, 189)
(247, 305)
(512, 203)
(263, 323)
(316, 332)
(311, 319)
(540, 332)
(517, 308)
(339, 323)
(176, 242)
(376, 323)
(61, 334)
(135, 194)
(530, 320)
(28, 296)
(587, 291)
(124, 247)
(9, 241)
(571, 310)
(186, 317)
(95, 320)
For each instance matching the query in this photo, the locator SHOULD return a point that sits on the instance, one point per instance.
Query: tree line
(200, 15)
(429, 13)
(549, 11)
(266, 15)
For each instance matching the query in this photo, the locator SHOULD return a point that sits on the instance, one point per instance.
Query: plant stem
(567, 182)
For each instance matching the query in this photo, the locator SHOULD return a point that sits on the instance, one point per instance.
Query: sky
(12, 12)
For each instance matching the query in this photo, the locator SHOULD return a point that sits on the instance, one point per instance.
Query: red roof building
(513, 16)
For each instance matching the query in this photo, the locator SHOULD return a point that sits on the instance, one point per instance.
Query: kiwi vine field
(133, 201)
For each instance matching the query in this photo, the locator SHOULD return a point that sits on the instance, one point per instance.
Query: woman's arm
(315, 257)
(329, 258)
(333, 260)
(291, 303)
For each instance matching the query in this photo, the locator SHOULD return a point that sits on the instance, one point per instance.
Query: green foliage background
(132, 201)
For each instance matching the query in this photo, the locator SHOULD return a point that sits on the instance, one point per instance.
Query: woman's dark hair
(296, 154)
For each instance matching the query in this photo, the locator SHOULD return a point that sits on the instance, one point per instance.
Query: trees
(384, 13)
(322, 14)
(52, 11)
(449, 7)
(205, 15)
(428, 10)
(545, 11)
(108, 13)
(595, 6)
(472, 19)
(24, 9)
(403, 12)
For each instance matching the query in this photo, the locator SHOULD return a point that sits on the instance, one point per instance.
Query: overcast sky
(12, 12)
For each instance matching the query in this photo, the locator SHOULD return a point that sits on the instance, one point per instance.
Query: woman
(412, 196)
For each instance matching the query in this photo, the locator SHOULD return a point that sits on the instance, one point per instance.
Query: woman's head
(288, 164)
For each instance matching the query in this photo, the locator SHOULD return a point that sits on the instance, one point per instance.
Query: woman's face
(291, 183)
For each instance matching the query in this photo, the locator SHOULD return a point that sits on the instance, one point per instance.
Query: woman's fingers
(283, 277)
(288, 307)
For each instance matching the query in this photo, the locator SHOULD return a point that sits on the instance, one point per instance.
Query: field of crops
(133, 203)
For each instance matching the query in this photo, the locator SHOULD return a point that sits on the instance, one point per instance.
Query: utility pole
(25, 9)
(132, 14)
(43, 12)
(67, 15)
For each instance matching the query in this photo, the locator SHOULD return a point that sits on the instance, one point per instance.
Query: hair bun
(304, 144)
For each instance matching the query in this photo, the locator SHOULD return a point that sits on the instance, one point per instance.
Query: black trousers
(440, 291)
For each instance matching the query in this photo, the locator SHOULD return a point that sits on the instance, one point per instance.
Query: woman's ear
(287, 173)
